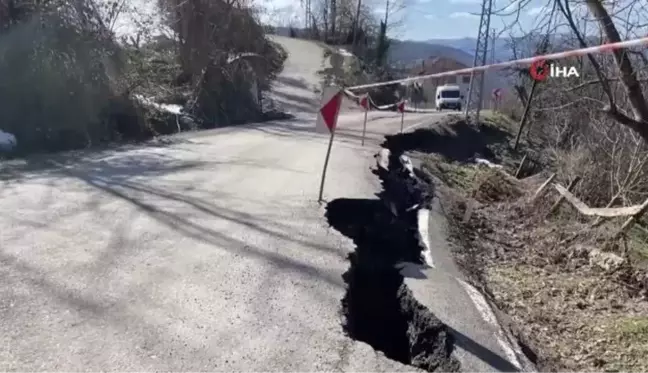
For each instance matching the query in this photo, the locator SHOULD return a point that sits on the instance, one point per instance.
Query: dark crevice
(461, 142)
(378, 308)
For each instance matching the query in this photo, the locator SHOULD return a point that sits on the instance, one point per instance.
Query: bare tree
(594, 126)
(210, 34)
(342, 19)
(638, 121)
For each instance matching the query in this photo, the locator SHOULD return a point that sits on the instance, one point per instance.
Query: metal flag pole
(326, 161)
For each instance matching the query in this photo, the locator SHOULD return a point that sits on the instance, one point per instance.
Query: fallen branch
(605, 212)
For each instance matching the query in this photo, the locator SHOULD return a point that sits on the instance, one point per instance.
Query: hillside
(467, 45)
(408, 53)
(503, 51)
(405, 51)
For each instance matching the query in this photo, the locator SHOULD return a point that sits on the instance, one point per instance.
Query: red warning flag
(329, 109)
(401, 107)
(364, 102)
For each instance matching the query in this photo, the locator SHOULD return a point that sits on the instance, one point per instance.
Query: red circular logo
(539, 70)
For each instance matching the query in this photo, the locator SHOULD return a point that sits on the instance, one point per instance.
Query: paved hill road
(210, 254)
(206, 254)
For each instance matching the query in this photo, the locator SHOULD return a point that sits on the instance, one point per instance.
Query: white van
(449, 97)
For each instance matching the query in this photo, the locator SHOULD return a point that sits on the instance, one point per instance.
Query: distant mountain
(407, 54)
(525, 45)
(502, 51)
(465, 44)
(406, 51)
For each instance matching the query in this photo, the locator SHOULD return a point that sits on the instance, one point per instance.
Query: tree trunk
(525, 115)
(326, 20)
(636, 99)
(622, 59)
(333, 18)
(522, 94)
(356, 24)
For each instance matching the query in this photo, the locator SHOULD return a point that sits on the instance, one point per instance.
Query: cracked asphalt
(209, 253)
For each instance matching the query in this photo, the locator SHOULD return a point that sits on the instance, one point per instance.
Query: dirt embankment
(574, 299)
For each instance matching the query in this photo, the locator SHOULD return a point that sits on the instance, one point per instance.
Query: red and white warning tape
(389, 107)
(522, 62)
(372, 105)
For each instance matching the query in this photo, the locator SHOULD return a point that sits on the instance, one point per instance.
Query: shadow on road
(483, 353)
(294, 82)
(116, 175)
(138, 178)
(293, 102)
(190, 228)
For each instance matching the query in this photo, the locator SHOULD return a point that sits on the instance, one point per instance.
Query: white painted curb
(423, 221)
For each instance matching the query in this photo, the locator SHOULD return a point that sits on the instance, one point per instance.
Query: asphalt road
(207, 254)
(210, 254)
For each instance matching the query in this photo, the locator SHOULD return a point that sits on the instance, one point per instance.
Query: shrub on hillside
(60, 70)
(224, 51)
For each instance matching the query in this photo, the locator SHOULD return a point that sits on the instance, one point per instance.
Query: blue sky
(432, 19)
(440, 19)
(444, 19)
(449, 19)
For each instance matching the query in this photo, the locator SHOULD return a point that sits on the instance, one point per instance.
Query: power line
(476, 90)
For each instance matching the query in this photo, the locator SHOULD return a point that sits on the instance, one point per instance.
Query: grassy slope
(574, 314)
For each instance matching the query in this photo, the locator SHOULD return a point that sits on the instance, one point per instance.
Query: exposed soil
(574, 301)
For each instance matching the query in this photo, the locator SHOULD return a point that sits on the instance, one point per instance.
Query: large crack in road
(378, 308)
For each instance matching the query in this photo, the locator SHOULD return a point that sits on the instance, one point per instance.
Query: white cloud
(463, 15)
(466, 1)
(430, 16)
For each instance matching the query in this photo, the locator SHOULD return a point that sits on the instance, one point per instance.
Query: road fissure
(378, 308)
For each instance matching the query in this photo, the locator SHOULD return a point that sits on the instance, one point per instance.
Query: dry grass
(572, 310)
(575, 314)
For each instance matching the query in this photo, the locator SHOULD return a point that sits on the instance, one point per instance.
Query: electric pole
(476, 90)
